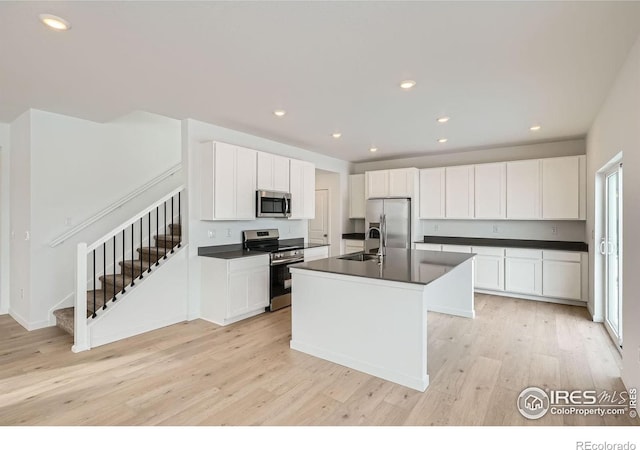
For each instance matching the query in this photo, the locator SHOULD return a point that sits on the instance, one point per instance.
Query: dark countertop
(405, 266)
(511, 243)
(233, 251)
(354, 236)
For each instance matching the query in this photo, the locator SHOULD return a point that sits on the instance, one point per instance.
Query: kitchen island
(372, 316)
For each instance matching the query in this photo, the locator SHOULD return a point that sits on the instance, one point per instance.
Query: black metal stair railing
(133, 236)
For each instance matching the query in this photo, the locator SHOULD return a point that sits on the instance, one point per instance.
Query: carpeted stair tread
(107, 281)
(176, 239)
(154, 251)
(177, 229)
(65, 318)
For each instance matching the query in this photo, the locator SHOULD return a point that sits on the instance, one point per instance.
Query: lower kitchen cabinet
(234, 289)
(489, 268)
(523, 276)
(352, 246)
(562, 275)
(311, 254)
(549, 275)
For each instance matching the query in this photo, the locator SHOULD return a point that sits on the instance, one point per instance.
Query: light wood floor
(198, 373)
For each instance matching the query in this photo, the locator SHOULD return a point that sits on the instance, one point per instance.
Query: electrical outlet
(211, 234)
(228, 232)
(67, 221)
(435, 227)
(496, 229)
(554, 230)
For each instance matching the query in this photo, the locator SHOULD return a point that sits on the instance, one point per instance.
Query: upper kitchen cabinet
(273, 172)
(523, 189)
(356, 196)
(459, 187)
(563, 188)
(228, 182)
(490, 191)
(391, 183)
(303, 189)
(432, 188)
(377, 184)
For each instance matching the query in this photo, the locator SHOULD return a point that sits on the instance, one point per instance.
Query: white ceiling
(495, 67)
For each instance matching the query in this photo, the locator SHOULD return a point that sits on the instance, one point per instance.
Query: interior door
(319, 225)
(611, 248)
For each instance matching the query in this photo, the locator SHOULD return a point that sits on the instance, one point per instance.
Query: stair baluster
(94, 284)
(122, 269)
(157, 233)
(149, 242)
(179, 220)
(165, 229)
(114, 268)
(104, 273)
(141, 257)
(171, 224)
(133, 266)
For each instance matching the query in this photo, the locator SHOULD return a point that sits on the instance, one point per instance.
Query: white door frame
(600, 258)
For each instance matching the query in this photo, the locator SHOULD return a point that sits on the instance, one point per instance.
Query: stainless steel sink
(359, 257)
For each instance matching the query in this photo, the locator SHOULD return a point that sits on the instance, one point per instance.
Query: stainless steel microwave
(273, 204)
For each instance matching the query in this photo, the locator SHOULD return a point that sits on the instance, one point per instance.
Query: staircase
(134, 271)
(116, 266)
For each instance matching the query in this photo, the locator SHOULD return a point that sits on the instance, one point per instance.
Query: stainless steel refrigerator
(392, 217)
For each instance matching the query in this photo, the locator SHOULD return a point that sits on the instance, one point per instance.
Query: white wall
(5, 223)
(566, 230)
(479, 156)
(617, 129)
(228, 232)
(20, 219)
(75, 169)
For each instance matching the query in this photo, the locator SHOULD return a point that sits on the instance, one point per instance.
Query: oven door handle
(287, 261)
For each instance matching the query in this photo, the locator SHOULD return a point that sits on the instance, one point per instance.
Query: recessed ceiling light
(279, 112)
(535, 128)
(443, 140)
(443, 119)
(373, 149)
(337, 135)
(55, 22)
(407, 84)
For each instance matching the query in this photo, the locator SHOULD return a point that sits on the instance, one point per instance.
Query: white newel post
(80, 335)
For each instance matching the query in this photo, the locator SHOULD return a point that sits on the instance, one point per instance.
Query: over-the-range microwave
(273, 204)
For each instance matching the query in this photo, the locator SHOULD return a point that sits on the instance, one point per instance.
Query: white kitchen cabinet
(377, 183)
(490, 190)
(562, 189)
(352, 245)
(523, 271)
(459, 197)
(456, 248)
(562, 275)
(228, 182)
(428, 246)
(357, 202)
(432, 189)
(234, 289)
(390, 183)
(523, 190)
(303, 189)
(489, 268)
(273, 172)
(311, 254)
(401, 182)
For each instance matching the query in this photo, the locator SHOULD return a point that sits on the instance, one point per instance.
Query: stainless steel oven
(281, 256)
(273, 204)
(280, 288)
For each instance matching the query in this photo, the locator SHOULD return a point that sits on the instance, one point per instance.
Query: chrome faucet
(382, 250)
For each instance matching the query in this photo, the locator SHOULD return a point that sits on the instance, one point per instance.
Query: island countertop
(399, 265)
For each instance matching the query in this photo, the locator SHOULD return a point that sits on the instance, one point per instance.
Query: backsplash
(206, 233)
(561, 230)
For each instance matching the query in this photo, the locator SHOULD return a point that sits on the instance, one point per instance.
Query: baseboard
(532, 297)
(29, 326)
(134, 331)
(452, 311)
(344, 360)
